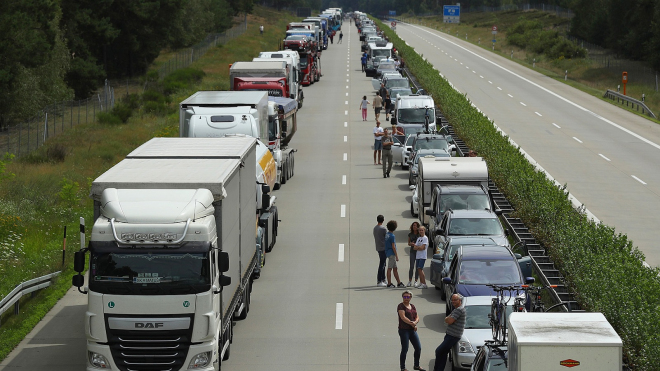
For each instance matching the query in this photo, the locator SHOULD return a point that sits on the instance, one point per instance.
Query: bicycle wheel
(494, 319)
(503, 325)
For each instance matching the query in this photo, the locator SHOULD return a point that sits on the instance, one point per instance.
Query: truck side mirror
(78, 280)
(223, 261)
(79, 262)
(285, 126)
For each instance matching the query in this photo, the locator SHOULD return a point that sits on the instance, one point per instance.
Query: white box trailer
(447, 170)
(172, 257)
(559, 341)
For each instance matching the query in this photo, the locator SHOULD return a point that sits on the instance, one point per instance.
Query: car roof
(471, 240)
(493, 252)
(431, 136)
(473, 213)
(477, 300)
(425, 152)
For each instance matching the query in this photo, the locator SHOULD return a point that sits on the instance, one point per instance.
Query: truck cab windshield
(152, 272)
(381, 53)
(415, 115)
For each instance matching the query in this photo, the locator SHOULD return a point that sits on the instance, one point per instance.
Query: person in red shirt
(408, 320)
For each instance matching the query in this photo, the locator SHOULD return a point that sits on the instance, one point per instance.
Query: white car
(414, 204)
(477, 330)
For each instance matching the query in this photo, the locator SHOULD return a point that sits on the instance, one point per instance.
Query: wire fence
(31, 134)
(24, 137)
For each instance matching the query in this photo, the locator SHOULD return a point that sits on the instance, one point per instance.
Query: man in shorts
(378, 144)
(378, 105)
(392, 255)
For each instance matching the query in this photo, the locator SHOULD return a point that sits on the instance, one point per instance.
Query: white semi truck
(172, 258)
(560, 341)
(212, 114)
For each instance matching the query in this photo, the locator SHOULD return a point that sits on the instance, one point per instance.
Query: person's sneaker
(416, 285)
(391, 286)
(409, 284)
(381, 284)
(400, 285)
(423, 286)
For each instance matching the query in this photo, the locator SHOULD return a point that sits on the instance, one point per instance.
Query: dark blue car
(471, 270)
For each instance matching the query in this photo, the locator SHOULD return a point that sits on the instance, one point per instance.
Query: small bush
(132, 101)
(182, 79)
(122, 111)
(56, 152)
(153, 96)
(69, 192)
(107, 118)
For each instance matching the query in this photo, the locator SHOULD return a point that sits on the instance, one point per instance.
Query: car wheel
(443, 294)
(412, 210)
(447, 310)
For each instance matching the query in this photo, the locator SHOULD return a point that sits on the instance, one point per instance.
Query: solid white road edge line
(339, 315)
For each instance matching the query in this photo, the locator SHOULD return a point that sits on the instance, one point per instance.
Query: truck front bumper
(194, 350)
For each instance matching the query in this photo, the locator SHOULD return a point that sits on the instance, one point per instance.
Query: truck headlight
(98, 360)
(200, 360)
(464, 346)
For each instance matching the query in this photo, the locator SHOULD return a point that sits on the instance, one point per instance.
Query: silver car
(477, 330)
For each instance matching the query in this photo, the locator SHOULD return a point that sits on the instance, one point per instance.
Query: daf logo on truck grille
(569, 363)
(147, 324)
(165, 236)
(154, 325)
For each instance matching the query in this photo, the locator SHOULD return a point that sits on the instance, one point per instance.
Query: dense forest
(53, 50)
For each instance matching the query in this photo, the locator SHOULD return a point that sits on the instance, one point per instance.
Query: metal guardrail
(611, 94)
(25, 288)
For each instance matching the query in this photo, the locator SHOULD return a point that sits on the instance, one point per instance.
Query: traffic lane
(294, 313)
(608, 210)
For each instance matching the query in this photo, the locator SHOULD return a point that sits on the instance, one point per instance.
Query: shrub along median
(602, 267)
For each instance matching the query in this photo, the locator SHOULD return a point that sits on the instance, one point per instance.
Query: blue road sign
(452, 11)
(494, 40)
(393, 12)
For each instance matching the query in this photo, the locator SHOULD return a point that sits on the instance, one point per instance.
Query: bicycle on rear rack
(498, 310)
(536, 302)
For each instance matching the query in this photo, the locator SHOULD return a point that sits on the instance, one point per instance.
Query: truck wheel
(284, 172)
(246, 303)
(293, 165)
(228, 338)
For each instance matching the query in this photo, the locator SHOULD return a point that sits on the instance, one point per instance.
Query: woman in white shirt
(421, 246)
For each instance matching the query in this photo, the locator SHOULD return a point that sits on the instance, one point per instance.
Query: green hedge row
(602, 267)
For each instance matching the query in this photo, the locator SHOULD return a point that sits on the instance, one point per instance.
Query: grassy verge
(42, 192)
(583, 73)
(602, 267)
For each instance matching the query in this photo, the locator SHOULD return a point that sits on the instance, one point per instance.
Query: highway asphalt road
(316, 305)
(607, 156)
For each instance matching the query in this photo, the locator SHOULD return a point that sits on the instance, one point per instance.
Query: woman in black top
(408, 319)
(412, 238)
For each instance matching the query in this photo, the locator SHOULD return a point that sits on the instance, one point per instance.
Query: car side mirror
(498, 212)
(506, 232)
(518, 256)
(430, 212)
(437, 256)
(529, 280)
(412, 187)
(446, 280)
(439, 232)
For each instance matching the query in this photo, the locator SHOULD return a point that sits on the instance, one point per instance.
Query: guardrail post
(16, 307)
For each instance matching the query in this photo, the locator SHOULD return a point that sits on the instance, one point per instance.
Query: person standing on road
(382, 90)
(379, 238)
(387, 142)
(261, 29)
(388, 107)
(332, 36)
(378, 144)
(421, 245)
(363, 107)
(363, 59)
(392, 255)
(412, 238)
(378, 104)
(341, 36)
(455, 325)
(408, 320)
